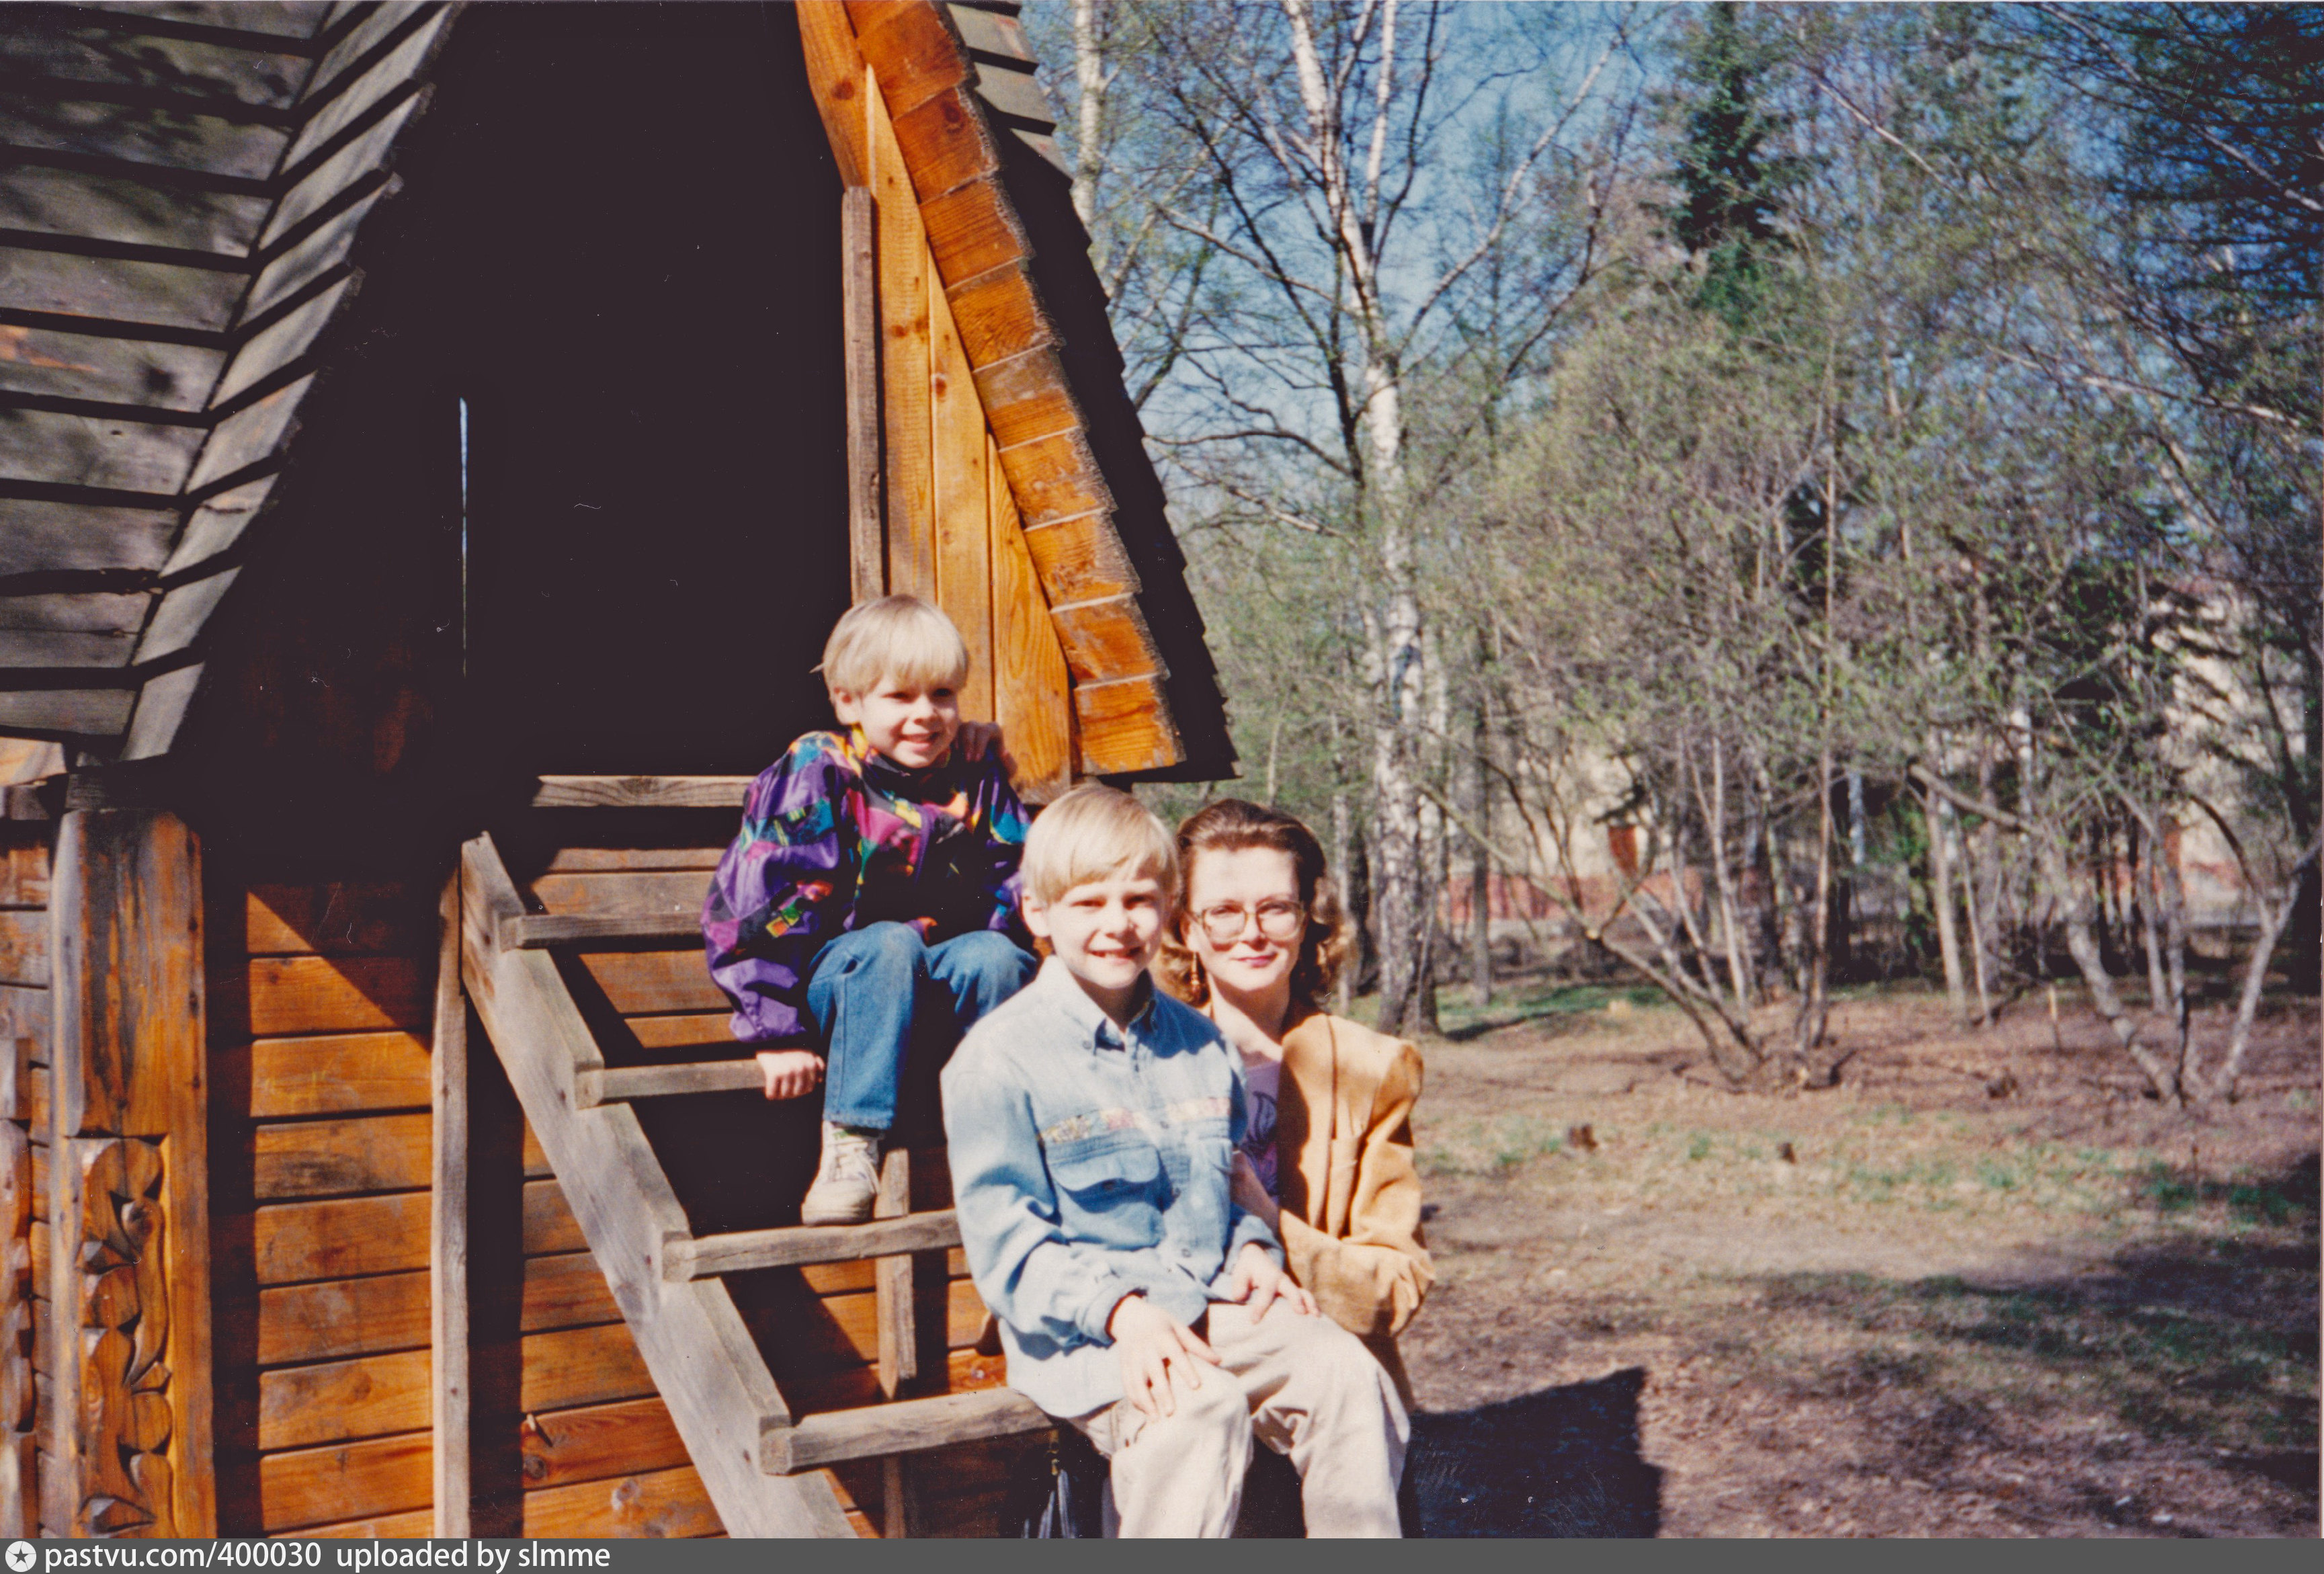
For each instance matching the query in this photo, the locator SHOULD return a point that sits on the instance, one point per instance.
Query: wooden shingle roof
(180, 185)
(975, 130)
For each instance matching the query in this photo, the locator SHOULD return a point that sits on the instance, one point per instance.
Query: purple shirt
(835, 837)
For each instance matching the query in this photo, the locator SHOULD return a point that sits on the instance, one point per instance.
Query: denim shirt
(1089, 1163)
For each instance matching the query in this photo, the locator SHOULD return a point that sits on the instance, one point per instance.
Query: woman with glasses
(1327, 1155)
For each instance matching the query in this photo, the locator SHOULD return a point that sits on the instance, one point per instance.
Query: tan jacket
(1351, 1192)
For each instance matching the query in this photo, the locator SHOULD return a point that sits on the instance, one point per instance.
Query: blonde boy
(866, 914)
(1093, 1123)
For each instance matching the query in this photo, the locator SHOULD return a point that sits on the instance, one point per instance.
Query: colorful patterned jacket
(836, 837)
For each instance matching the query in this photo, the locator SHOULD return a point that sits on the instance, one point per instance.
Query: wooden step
(801, 1244)
(641, 792)
(902, 1426)
(617, 1083)
(540, 931)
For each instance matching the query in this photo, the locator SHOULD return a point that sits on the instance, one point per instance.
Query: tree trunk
(1971, 901)
(1808, 1028)
(1844, 882)
(2109, 934)
(1987, 895)
(1344, 873)
(1395, 863)
(2146, 892)
(2072, 898)
(2274, 918)
(1399, 874)
(1730, 917)
(1480, 876)
(2173, 895)
(1089, 81)
(1938, 815)
(2304, 964)
(1762, 942)
(1393, 626)
(2307, 938)
(1435, 751)
(1781, 897)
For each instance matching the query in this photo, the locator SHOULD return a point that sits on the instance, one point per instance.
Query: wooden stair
(751, 1452)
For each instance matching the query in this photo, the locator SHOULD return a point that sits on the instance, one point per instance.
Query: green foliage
(1731, 179)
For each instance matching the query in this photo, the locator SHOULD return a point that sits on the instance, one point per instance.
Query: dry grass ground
(1929, 1302)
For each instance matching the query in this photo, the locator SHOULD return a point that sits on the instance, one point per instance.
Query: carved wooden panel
(121, 1296)
(129, 1423)
(20, 1509)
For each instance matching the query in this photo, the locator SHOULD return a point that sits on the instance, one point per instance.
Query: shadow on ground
(1560, 1462)
(1563, 1462)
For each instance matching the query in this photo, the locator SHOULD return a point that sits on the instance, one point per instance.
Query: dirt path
(1982, 1288)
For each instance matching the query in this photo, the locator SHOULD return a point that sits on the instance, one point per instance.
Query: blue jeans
(885, 1001)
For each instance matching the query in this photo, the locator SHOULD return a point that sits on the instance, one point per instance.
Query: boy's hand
(1149, 1342)
(1259, 1284)
(791, 1074)
(975, 738)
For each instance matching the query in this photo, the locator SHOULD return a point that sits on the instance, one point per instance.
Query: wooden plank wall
(321, 996)
(24, 1028)
(322, 1021)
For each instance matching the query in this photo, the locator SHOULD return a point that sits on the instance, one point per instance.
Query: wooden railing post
(131, 1449)
(450, 1402)
(859, 295)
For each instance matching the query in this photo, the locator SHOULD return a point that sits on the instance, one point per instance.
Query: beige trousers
(1302, 1385)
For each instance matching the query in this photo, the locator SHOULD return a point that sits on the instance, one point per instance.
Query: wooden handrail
(540, 931)
(801, 1244)
(904, 1426)
(617, 1084)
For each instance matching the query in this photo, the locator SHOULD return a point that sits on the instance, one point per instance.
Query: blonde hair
(1230, 825)
(1095, 833)
(900, 637)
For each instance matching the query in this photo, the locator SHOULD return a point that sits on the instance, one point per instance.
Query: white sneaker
(846, 1181)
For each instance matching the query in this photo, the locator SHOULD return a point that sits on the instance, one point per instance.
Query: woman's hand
(791, 1074)
(1259, 1284)
(1149, 1341)
(1250, 1194)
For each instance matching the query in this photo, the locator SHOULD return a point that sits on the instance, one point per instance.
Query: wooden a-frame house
(434, 444)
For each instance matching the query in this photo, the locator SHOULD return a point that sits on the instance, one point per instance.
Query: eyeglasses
(1278, 919)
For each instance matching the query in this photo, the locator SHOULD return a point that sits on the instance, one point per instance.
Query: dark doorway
(616, 244)
(627, 217)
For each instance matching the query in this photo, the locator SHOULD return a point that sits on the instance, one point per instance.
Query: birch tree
(1361, 169)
